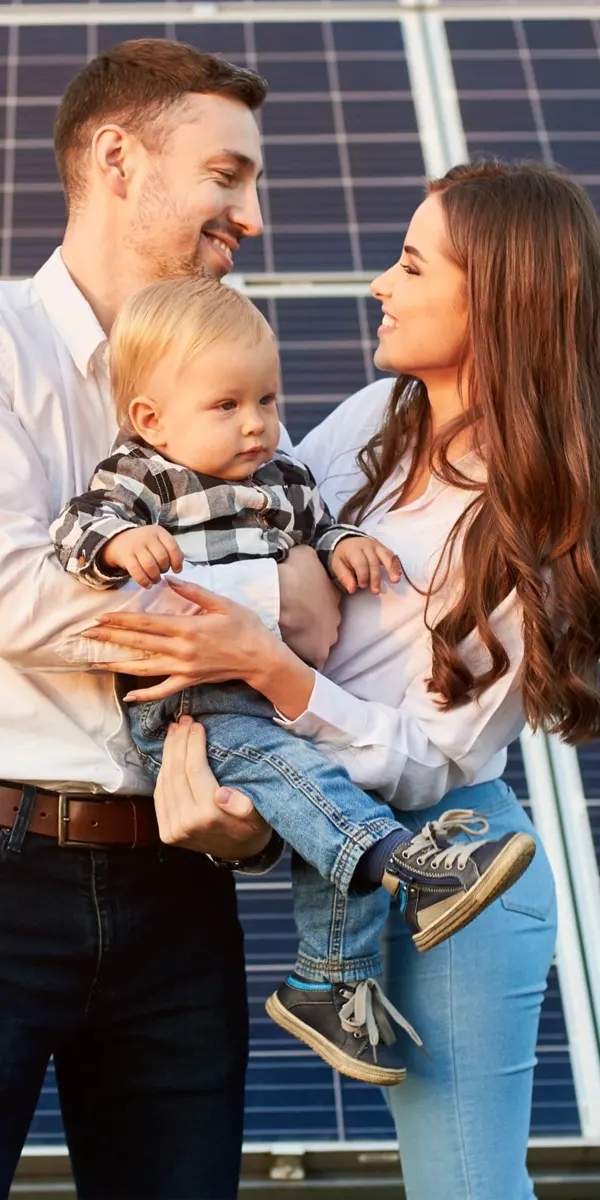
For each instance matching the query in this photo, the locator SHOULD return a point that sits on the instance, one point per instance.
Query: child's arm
(112, 532)
(350, 557)
(144, 554)
(357, 562)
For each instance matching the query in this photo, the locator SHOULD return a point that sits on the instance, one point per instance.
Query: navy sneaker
(442, 886)
(346, 1024)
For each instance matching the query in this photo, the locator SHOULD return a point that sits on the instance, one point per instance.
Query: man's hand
(309, 614)
(145, 553)
(193, 811)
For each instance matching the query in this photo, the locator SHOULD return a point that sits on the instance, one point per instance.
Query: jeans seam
(96, 907)
(336, 928)
(461, 1138)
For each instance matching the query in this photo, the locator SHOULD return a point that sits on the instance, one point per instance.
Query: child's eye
(227, 405)
(270, 399)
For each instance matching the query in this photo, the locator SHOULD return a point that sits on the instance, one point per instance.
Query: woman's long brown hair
(528, 240)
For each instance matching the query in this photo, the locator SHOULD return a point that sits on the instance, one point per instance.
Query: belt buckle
(64, 799)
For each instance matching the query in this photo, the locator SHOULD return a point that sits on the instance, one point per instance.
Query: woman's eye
(408, 270)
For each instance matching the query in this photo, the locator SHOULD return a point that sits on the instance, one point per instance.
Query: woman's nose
(382, 285)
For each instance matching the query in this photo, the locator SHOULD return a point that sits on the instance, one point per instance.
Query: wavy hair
(528, 241)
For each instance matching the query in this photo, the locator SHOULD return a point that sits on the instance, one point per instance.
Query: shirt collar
(69, 312)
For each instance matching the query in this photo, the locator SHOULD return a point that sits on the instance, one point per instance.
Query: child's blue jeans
(313, 804)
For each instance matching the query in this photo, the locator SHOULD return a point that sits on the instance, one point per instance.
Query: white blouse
(370, 710)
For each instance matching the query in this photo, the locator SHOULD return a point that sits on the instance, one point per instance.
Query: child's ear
(144, 417)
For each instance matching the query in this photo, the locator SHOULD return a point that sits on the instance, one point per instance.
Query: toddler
(198, 476)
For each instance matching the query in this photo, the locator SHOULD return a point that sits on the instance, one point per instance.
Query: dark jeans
(127, 966)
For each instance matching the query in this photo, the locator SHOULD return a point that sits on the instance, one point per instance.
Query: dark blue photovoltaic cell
(560, 35)
(481, 35)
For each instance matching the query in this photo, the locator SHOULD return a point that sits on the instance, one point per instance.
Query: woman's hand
(218, 644)
(193, 811)
(224, 641)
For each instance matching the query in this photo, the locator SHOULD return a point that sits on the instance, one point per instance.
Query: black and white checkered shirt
(214, 521)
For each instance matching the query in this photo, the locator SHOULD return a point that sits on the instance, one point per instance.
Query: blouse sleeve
(416, 753)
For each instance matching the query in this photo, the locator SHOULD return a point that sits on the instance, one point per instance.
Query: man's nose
(247, 215)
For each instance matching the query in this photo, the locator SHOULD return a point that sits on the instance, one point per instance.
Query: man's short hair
(135, 84)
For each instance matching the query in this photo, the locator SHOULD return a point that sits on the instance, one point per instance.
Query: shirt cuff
(259, 864)
(333, 716)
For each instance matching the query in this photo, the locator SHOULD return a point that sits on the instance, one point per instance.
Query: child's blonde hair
(183, 316)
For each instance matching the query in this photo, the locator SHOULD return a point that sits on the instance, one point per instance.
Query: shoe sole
(509, 866)
(367, 1073)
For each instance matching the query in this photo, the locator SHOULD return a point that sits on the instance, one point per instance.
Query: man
(118, 956)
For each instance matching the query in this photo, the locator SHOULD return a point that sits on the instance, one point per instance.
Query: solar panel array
(344, 170)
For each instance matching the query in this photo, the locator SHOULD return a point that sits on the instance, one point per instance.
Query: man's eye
(226, 176)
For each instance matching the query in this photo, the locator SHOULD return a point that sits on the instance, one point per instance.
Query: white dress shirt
(59, 726)
(371, 710)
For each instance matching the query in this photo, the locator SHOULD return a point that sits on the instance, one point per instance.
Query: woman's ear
(145, 420)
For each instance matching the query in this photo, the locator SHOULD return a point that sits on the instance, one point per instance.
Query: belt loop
(23, 817)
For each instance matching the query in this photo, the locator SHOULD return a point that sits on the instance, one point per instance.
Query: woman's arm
(412, 754)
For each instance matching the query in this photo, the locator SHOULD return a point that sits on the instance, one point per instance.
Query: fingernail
(130, 696)
(90, 633)
(185, 720)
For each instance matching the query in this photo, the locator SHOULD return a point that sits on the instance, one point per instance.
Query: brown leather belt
(82, 821)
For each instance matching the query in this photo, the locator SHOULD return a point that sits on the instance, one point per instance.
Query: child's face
(218, 415)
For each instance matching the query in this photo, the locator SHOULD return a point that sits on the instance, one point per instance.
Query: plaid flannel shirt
(214, 521)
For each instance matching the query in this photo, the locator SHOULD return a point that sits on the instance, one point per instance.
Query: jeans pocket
(533, 894)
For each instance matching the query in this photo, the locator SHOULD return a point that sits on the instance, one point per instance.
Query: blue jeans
(127, 966)
(313, 804)
(463, 1117)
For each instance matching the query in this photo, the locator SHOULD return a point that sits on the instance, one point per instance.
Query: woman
(482, 472)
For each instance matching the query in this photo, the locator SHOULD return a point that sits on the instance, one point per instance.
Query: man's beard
(159, 261)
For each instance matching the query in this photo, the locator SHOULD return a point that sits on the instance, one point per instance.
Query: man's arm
(42, 610)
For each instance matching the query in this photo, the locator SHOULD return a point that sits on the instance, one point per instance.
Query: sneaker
(442, 887)
(346, 1024)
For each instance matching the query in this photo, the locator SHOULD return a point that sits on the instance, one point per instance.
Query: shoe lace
(365, 1013)
(454, 821)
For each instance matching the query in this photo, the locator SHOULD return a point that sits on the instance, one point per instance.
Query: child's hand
(357, 562)
(144, 553)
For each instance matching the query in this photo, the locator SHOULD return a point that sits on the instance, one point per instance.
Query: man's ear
(113, 158)
(145, 419)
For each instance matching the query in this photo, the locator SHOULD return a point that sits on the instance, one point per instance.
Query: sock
(300, 981)
(370, 868)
